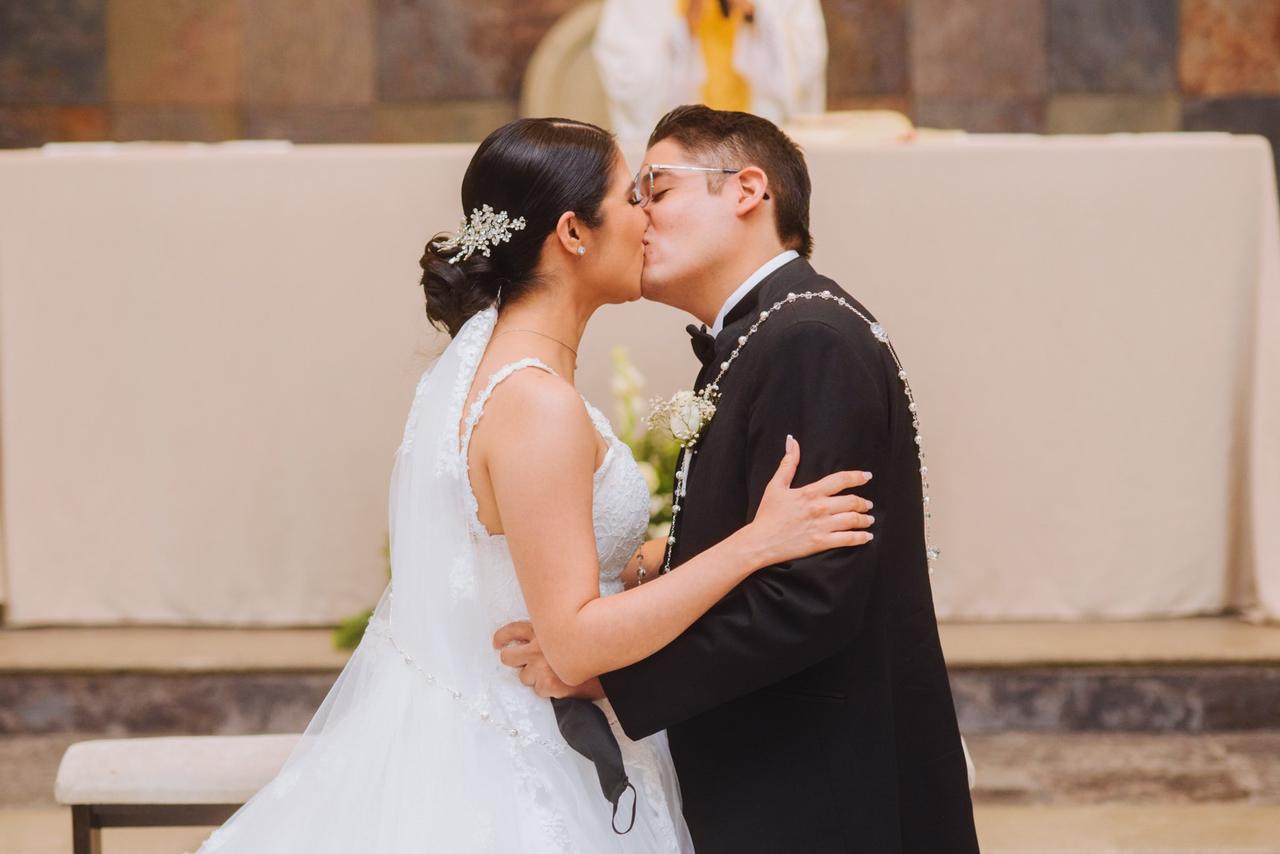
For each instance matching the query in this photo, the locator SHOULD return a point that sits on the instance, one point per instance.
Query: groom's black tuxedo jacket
(809, 711)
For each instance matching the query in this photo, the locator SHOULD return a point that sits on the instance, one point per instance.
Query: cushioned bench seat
(169, 781)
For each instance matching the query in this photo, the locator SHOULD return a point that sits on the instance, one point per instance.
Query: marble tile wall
(436, 70)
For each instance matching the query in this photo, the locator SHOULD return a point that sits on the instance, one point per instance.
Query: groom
(809, 711)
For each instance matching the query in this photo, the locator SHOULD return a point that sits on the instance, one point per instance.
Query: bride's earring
(582, 250)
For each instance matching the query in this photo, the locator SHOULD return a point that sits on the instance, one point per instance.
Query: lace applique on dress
(472, 340)
(411, 423)
(620, 516)
(462, 579)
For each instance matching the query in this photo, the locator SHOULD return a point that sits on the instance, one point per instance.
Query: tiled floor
(1130, 829)
(1202, 829)
(48, 831)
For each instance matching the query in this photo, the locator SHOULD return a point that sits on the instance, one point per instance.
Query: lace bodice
(620, 496)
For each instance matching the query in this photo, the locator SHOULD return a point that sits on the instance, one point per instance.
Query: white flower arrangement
(685, 415)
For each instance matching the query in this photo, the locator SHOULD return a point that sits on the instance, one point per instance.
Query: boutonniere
(685, 415)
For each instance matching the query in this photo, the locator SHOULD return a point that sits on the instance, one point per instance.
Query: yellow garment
(724, 89)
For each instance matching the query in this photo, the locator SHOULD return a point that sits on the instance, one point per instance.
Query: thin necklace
(544, 335)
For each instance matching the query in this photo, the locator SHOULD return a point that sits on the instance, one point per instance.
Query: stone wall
(439, 70)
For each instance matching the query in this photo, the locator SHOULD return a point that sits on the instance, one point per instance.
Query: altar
(207, 353)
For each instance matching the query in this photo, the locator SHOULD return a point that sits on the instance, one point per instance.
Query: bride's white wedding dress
(427, 742)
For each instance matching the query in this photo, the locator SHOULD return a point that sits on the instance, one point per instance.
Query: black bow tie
(704, 343)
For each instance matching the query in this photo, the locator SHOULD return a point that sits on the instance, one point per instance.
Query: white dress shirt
(745, 288)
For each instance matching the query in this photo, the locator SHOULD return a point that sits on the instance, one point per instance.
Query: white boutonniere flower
(685, 415)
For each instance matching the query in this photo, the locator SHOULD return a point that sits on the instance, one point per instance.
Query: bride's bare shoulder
(538, 405)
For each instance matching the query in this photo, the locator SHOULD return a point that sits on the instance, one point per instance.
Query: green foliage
(350, 631)
(655, 450)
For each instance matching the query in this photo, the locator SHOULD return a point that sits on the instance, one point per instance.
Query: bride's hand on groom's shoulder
(518, 648)
(795, 523)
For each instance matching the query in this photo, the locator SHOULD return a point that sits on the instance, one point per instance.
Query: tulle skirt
(393, 762)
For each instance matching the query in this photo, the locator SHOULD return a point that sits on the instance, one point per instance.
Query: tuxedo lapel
(788, 277)
(741, 316)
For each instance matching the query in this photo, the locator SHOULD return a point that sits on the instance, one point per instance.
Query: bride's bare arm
(540, 457)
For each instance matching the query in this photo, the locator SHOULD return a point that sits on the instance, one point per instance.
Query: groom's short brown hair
(741, 140)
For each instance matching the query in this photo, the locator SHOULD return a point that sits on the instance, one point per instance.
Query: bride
(512, 499)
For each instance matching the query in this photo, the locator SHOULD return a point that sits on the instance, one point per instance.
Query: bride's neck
(552, 313)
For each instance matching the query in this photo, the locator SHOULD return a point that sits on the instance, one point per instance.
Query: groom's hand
(518, 648)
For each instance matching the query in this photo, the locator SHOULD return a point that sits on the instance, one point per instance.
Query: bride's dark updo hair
(532, 168)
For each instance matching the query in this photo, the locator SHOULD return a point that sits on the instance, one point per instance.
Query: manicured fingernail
(868, 474)
(870, 504)
(870, 536)
(871, 520)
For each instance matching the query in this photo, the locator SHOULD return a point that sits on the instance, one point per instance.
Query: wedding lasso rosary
(688, 413)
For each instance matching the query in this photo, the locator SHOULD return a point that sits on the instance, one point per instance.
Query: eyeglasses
(642, 185)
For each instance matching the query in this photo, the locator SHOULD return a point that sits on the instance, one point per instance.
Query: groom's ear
(753, 189)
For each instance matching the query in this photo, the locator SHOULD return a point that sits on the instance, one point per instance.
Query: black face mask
(587, 731)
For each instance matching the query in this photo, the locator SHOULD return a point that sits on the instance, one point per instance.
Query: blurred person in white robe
(767, 57)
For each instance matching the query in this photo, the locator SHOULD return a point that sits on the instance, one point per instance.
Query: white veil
(427, 742)
(436, 614)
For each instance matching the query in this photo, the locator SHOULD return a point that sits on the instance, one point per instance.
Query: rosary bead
(881, 335)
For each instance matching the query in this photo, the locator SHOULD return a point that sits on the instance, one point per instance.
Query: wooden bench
(163, 782)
